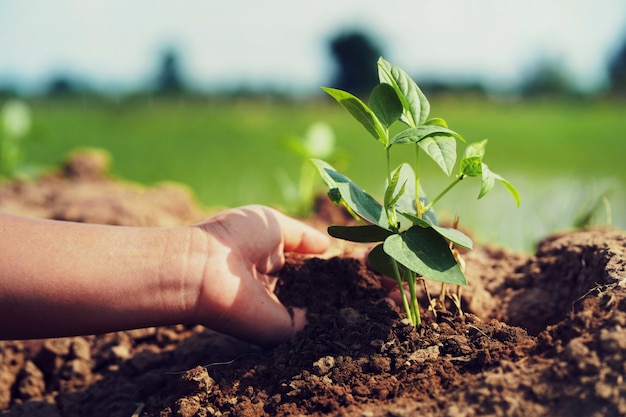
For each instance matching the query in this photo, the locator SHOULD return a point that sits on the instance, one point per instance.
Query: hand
(247, 247)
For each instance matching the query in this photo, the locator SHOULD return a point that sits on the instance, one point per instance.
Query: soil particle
(540, 335)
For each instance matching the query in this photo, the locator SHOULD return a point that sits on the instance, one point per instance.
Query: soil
(537, 335)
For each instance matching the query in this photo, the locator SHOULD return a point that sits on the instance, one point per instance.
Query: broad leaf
(476, 149)
(509, 187)
(442, 150)
(471, 167)
(471, 164)
(427, 253)
(488, 181)
(406, 202)
(391, 198)
(414, 102)
(406, 175)
(416, 134)
(321, 167)
(453, 235)
(385, 104)
(380, 261)
(360, 112)
(438, 121)
(359, 201)
(362, 234)
(364, 205)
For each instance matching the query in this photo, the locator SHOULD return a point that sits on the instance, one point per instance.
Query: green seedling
(318, 142)
(411, 244)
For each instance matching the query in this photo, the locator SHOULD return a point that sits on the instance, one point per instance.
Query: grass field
(561, 155)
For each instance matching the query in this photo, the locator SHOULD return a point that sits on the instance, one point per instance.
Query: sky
(116, 44)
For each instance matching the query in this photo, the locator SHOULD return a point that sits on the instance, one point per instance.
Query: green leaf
(453, 235)
(509, 187)
(437, 121)
(488, 181)
(406, 202)
(359, 201)
(427, 253)
(471, 167)
(380, 261)
(476, 149)
(414, 102)
(385, 104)
(442, 150)
(360, 112)
(362, 234)
(471, 164)
(406, 175)
(391, 199)
(395, 198)
(364, 205)
(416, 134)
(321, 167)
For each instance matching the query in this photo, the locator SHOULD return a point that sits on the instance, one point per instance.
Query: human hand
(247, 247)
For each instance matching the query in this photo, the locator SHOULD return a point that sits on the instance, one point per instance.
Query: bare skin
(62, 279)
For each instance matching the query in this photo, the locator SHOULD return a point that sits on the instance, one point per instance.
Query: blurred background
(225, 97)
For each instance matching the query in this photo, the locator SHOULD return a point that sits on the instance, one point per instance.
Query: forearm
(60, 278)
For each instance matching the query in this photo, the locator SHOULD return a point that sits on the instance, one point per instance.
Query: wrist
(181, 271)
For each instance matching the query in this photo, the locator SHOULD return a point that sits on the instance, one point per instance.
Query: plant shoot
(411, 244)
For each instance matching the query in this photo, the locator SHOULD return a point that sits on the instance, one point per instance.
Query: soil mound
(541, 335)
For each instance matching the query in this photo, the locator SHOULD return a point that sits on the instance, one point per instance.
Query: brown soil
(541, 335)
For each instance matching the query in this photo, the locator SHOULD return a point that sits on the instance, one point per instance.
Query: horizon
(282, 44)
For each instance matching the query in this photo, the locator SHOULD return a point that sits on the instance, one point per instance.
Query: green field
(562, 156)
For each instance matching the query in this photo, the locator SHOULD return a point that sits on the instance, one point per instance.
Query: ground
(540, 335)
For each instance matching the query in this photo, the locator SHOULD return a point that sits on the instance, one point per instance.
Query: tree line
(354, 54)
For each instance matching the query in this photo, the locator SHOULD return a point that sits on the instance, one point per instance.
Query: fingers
(298, 318)
(301, 238)
(296, 236)
(270, 263)
(271, 324)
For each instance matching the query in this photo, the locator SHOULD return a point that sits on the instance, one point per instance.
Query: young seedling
(412, 244)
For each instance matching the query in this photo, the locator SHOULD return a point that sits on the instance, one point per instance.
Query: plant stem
(388, 165)
(444, 192)
(353, 214)
(405, 303)
(415, 309)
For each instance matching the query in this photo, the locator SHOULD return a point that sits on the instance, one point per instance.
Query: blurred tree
(169, 79)
(7, 91)
(356, 57)
(617, 71)
(62, 85)
(548, 78)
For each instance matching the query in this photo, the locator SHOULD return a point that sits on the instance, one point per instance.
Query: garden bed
(541, 335)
